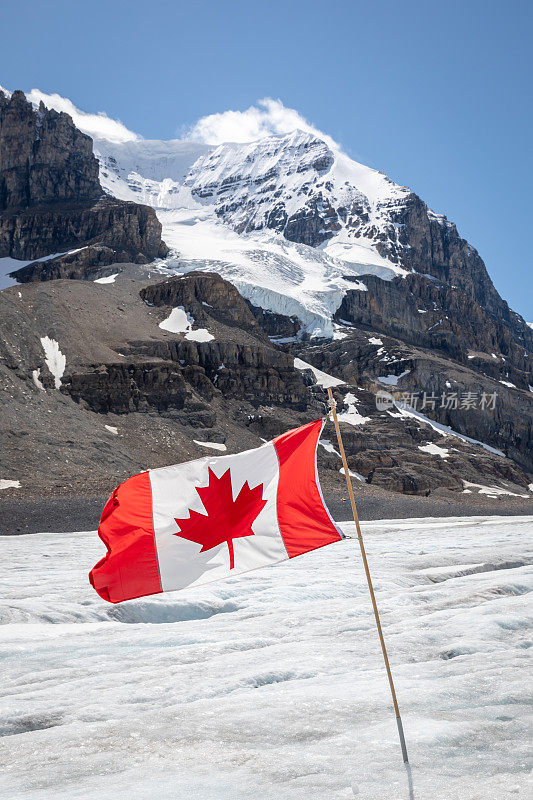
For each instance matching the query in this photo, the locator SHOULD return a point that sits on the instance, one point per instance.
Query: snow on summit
(239, 209)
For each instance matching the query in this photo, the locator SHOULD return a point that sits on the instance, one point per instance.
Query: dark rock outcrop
(250, 369)
(440, 316)
(429, 243)
(506, 424)
(44, 158)
(51, 200)
(277, 326)
(106, 231)
(204, 294)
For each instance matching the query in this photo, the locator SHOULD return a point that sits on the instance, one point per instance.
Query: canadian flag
(204, 520)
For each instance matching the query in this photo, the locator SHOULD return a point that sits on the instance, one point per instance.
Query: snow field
(271, 684)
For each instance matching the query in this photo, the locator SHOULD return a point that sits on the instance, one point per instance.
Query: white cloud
(266, 118)
(98, 125)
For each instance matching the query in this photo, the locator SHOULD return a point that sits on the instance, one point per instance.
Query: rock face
(430, 244)
(408, 301)
(105, 231)
(440, 316)
(133, 394)
(44, 158)
(387, 363)
(206, 295)
(51, 199)
(243, 367)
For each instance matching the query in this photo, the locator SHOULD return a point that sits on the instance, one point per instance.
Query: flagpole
(332, 405)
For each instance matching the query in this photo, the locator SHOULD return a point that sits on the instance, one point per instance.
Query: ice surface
(271, 272)
(107, 278)
(271, 685)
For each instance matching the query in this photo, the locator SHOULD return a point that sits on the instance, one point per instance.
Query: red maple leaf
(226, 519)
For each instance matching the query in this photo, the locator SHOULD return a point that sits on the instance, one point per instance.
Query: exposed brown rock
(44, 158)
(433, 314)
(204, 294)
(162, 392)
(51, 200)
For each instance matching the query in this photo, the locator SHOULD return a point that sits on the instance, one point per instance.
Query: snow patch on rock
(434, 450)
(180, 321)
(445, 430)
(9, 484)
(491, 491)
(392, 380)
(54, 358)
(322, 378)
(36, 378)
(353, 474)
(352, 415)
(212, 445)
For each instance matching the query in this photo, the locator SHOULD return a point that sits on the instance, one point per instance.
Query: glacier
(178, 179)
(272, 684)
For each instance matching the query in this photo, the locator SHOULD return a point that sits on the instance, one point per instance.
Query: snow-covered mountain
(288, 218)
(290, 221)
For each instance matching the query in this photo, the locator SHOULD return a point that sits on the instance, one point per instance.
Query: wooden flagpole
(332, 405)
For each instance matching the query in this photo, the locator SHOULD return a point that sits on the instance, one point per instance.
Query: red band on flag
(130, 568)
(206, 519)
(304, 521)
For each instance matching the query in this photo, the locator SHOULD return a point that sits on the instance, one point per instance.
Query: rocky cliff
(44, 158)
(123, 393)
(51, 200)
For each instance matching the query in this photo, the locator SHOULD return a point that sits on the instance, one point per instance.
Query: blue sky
(437, 95)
